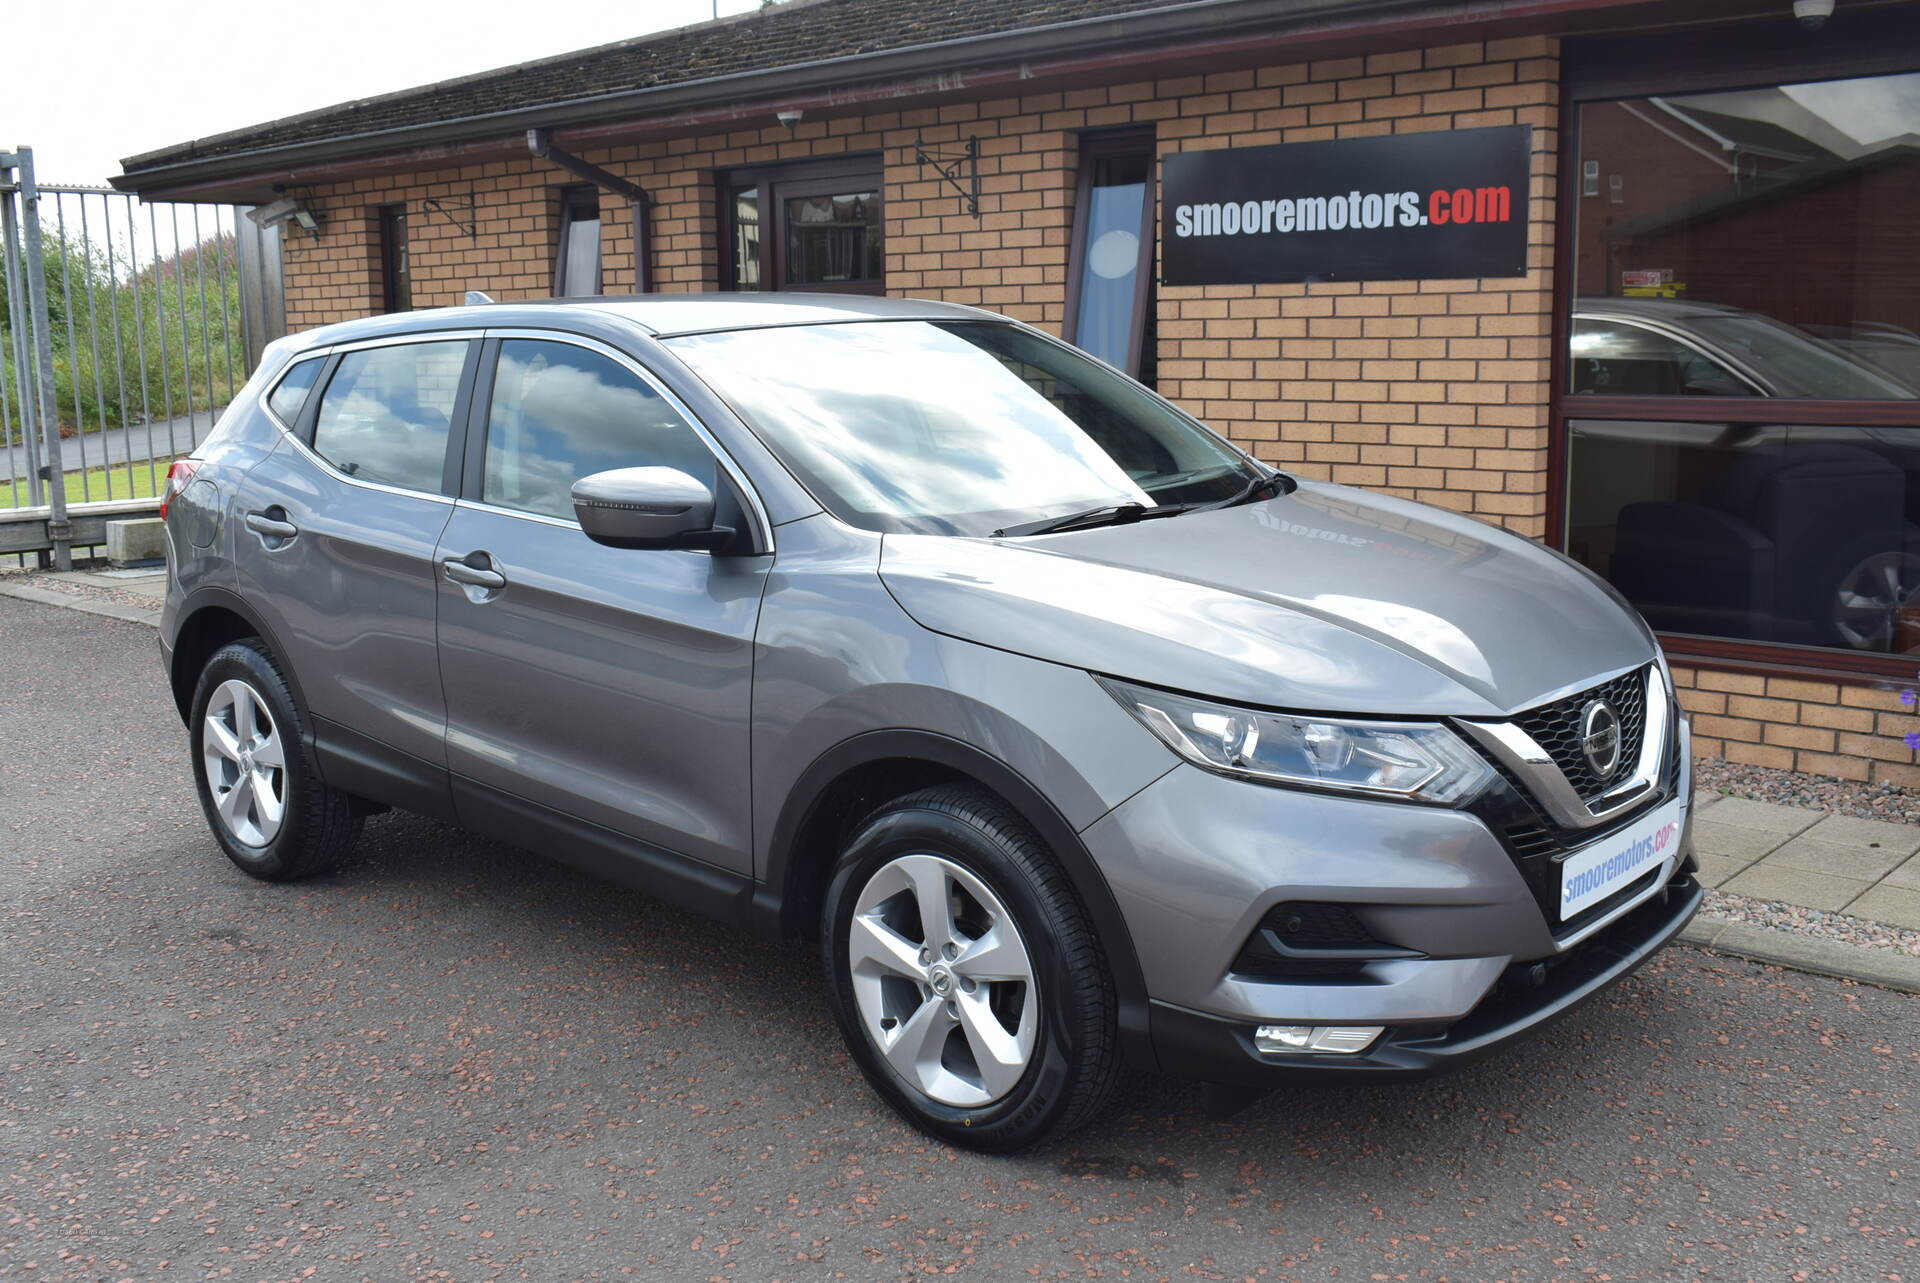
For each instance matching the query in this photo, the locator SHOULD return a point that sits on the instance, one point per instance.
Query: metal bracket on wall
(950, 163)
(471, 227)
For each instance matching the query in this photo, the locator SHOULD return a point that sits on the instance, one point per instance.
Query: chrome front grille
(1540, 752)
(1556, 727)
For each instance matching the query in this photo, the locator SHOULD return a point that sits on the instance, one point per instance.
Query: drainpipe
(540, 143)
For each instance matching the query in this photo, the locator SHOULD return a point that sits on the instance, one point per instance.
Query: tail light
(178, 477)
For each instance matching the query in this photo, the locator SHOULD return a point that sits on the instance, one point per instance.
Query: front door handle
(272, 524)
(461, 570)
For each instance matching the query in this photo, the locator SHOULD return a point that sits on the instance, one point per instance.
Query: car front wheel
(965, 974)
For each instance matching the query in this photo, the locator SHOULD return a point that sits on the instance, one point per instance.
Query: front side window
(1628, 359)
(1757, 245)
(959, 427)
(386, 412)
(560, 413)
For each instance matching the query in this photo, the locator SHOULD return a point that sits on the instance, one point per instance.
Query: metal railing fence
(123, 334)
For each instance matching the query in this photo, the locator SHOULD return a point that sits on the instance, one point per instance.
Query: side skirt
(371, 769)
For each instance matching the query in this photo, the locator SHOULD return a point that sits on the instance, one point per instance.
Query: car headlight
(1415, 761)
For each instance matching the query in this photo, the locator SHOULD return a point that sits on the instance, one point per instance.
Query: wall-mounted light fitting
(285, 210)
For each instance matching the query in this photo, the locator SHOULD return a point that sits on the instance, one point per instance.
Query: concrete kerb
(1804, 953)
(149, 616)
(1718, 935)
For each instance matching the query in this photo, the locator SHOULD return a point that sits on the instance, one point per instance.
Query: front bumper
(1197, 860)
(1195, 1045)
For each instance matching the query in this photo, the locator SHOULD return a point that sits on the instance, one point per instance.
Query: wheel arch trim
(213, 597)
(777, 900)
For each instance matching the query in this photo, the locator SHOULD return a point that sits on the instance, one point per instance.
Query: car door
(335, 534)
(584, 682)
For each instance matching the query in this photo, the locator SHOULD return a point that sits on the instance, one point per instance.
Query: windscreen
(958, 427)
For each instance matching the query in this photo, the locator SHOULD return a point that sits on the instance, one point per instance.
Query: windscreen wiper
(1125, 514)
(1112, 514)
(1259, 488)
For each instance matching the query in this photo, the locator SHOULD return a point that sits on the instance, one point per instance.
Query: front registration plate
(1590, 876)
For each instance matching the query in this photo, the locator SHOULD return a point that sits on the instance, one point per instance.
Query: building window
(576, 269)
(816, 226)
(396, 277)
(743, 262)
(1111, 273)
(1742, 383)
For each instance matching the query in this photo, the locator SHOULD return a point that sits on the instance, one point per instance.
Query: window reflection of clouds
(385, 413)
(560, 413)
(909, 419)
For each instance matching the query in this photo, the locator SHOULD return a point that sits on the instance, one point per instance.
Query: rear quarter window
(290, 393)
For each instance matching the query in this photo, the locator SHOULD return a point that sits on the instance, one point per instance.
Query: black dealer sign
(1404, 207)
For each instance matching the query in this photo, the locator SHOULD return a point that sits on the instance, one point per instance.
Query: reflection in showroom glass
(1752, 246)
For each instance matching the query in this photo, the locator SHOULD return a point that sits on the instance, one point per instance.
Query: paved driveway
(452, 1060)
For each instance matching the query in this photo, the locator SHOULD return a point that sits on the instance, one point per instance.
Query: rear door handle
(270, 526)
(460, 571)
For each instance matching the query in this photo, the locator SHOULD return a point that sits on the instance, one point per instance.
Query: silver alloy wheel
(246, 763)
(942, 981)
(1873, 597)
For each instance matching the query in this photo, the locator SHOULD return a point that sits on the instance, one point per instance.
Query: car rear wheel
(965, 974)
(264, 801)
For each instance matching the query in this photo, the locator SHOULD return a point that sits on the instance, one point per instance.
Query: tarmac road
(161, 439)
(455, 1061)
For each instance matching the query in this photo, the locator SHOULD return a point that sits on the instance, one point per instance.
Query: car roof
(1652, 309)
(662, 315)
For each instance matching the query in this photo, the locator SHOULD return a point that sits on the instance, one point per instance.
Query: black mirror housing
(658, 508)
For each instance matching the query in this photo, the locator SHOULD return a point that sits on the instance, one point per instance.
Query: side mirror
(648, 508)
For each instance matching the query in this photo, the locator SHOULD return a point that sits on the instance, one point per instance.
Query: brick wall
(1433, 390)
(1854, 732)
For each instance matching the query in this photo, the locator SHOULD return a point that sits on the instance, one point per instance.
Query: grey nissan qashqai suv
(1074, 736)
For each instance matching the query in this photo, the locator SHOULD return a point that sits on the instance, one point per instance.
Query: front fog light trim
(1294, 1040)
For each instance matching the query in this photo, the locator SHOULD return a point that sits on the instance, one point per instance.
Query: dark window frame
(1709, 58)
(1096, 146)
(780, 182)
(573, 199)
(396, 259)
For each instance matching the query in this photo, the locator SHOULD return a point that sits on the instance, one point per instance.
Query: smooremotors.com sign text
(1405, 207)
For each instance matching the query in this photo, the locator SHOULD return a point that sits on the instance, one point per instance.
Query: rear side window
(291, 392)
(560, 413)
(386, 412)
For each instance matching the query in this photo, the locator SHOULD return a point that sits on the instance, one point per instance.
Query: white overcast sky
(88, 82)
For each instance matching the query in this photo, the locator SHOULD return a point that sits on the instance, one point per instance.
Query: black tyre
(966, 975)
(263, 799)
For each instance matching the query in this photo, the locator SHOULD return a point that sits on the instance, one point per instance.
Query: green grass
(91, 486)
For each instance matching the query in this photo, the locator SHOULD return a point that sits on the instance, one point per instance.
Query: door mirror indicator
(648, 508)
